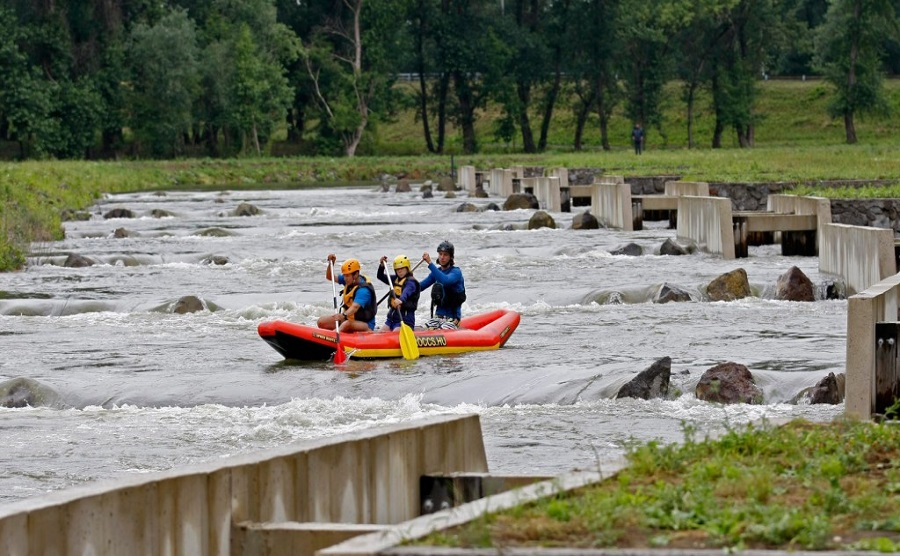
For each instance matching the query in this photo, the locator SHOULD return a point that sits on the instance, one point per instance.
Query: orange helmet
(350, 266)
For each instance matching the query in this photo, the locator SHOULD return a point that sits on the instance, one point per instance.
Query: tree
(165, 83)
(349, 61)
(593, 48)
(25, 97)
(246, 93)
(849, 50)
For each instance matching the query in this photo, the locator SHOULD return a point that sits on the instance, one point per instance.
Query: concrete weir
(294, 499)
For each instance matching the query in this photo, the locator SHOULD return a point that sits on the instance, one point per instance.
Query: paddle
(339, 355)
(408, 346)
(385, 296)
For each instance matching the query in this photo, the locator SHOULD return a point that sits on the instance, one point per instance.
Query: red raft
(481, 332)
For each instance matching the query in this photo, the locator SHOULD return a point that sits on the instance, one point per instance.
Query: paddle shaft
(339, 355)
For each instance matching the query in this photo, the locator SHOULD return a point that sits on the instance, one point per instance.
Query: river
(142, 389)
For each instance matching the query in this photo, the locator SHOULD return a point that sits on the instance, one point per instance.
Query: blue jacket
(454, 288)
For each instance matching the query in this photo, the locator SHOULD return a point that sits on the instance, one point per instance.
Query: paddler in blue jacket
(449, 291)
(404, 295)
(357, 312)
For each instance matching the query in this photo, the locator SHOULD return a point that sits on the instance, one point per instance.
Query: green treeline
(218, 78)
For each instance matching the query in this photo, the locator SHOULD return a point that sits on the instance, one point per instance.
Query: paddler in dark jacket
(449, 291)
(357, 312)
(405, 295)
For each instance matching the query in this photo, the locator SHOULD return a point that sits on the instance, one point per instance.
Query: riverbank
(34, 195)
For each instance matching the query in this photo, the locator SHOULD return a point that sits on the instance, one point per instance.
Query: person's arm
(409, 289)
(331, 258)
(427, 281)
(446, 278)
(382, 275)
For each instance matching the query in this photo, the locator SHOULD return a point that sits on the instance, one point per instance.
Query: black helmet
(446, 247)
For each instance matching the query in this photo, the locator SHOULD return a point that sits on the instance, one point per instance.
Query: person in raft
(357, 312)
(449, 291)
(404, 293)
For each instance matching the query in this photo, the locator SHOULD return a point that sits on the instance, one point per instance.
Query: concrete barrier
(611, 203)
(692, 188)
(233, 506)
(861, 255)
(706, 221)
(878, 303)
(467, 180)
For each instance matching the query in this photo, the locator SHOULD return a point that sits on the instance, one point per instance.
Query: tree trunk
(850, 128)
(423, 108)
(550, 104)
(717, 134)
(443, 92)
(581, 116)
(692, 91)
(466, 113)
(524, 92)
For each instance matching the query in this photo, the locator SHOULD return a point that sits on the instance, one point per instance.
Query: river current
(139, 388)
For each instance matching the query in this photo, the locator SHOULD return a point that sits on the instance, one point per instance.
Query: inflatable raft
(481, 332)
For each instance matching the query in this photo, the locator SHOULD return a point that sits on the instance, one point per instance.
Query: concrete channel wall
(288, 500)
(878, 303)
(706, 221)
(861, 255)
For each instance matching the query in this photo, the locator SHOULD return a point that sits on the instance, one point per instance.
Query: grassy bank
(800, 486)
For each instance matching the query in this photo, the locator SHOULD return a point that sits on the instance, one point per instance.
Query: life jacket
(412, 302)
(366, 313)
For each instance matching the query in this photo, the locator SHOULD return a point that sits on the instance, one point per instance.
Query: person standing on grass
(637, 138)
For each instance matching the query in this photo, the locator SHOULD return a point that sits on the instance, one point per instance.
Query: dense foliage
(163, 79)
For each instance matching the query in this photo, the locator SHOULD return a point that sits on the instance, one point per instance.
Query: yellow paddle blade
(408, 345)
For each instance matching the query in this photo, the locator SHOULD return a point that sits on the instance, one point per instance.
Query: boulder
(161, 213)
(27, 392)
(78, 261)
(467, 207)
(585, 221)
(118, 213)
(668, 293)
(729, 286)
(652, 382)
(669, 247)
(120, 233)
(793, 285)
(541, 219)
(450, 195)
(214, 260)
(188, 304)
(829, 390)
(403, 186)
(446, 184)
(630, 249)
(246, 209)
(729, 383)
(214, 232)
(70, 215)
(480, 192)
(521, 201)
(490, 206)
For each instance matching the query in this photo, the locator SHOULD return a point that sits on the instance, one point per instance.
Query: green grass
(800, 486)
(790, 113)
